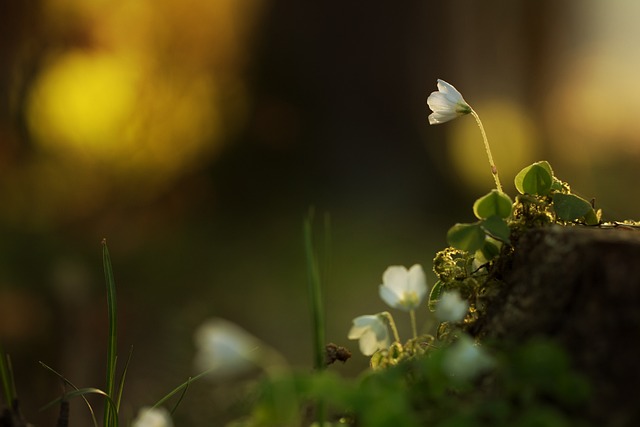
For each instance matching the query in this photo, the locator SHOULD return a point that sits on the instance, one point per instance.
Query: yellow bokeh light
(83, 101)
(513, 141)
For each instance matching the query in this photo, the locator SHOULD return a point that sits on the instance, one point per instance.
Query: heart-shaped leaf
(497, 228)
(570, 207)
(466, 237)
(496, 203)
(535, 179)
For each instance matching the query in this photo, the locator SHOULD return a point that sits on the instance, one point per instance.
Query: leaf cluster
(543, 200)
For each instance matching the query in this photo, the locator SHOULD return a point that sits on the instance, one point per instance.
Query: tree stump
(581, 287)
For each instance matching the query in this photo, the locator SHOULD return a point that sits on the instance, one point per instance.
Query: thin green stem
(414, 329)
(315, 294)
(392, 324)
(110, 411)
(5, 378)
(317, 309)
(494, 170)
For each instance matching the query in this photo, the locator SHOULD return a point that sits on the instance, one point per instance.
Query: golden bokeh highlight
(131, 97)
(513, 140)
(84, 102)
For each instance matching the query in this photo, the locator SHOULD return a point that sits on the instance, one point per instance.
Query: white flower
(224, 347)
(153, 417)
(451, 308)
(402, 288)
(465, 360)
(372, 332)
(447, 104)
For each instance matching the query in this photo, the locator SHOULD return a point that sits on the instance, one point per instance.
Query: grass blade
(182, 395)
(110, 412)
(317, 309)
(82, 393)
(6, 376)
(122, 379)
(315, 294)
(182, 386)
(70, 384)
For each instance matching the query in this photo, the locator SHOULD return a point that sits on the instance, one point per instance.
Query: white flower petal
(372, 333)
(390, 297)
(417, 281)
(153, 417)
(466, 360)
(395, 278)
(224, 347)
(451, 308)
(368, 343)
(447, 104)
(403, 289)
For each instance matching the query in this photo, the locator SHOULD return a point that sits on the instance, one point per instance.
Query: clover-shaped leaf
(570, 207)
(535, 179)
(466, 237)
(496, 203)
(489, 250)
(497, 228)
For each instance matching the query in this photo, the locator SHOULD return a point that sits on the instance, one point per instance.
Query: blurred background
(195, 135)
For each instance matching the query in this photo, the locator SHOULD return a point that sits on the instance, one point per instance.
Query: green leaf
(593, 217)
(496, 203)
(434, 295)
(466, 237)
(490, 250)
(570, 207)
(110, 411)
(497, 228)
(535, 179)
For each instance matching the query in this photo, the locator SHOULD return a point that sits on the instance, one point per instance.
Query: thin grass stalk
(70, 384)
(6, 377)
(82, 393)
(317, 309)
(182, 395)
(182, 386)
(122, 379)
(315, 294)
(110, 412)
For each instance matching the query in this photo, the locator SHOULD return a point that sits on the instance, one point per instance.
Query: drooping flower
(451, 308)
(446, 103)
(466, 360)
(153, 417)
(403, 289)
(372, 333)
(224, 347)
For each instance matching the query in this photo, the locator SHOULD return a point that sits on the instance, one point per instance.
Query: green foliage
(469, 264)
(532, 383)
(496, 227)
(535, 179)
(569, 207)
(494, 204)
(466, 237)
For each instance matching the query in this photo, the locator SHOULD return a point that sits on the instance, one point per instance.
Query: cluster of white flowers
(405, 289)
(401, 289)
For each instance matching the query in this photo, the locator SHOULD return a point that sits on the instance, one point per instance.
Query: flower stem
(392, 324)
(414, 329)
(494, 170)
